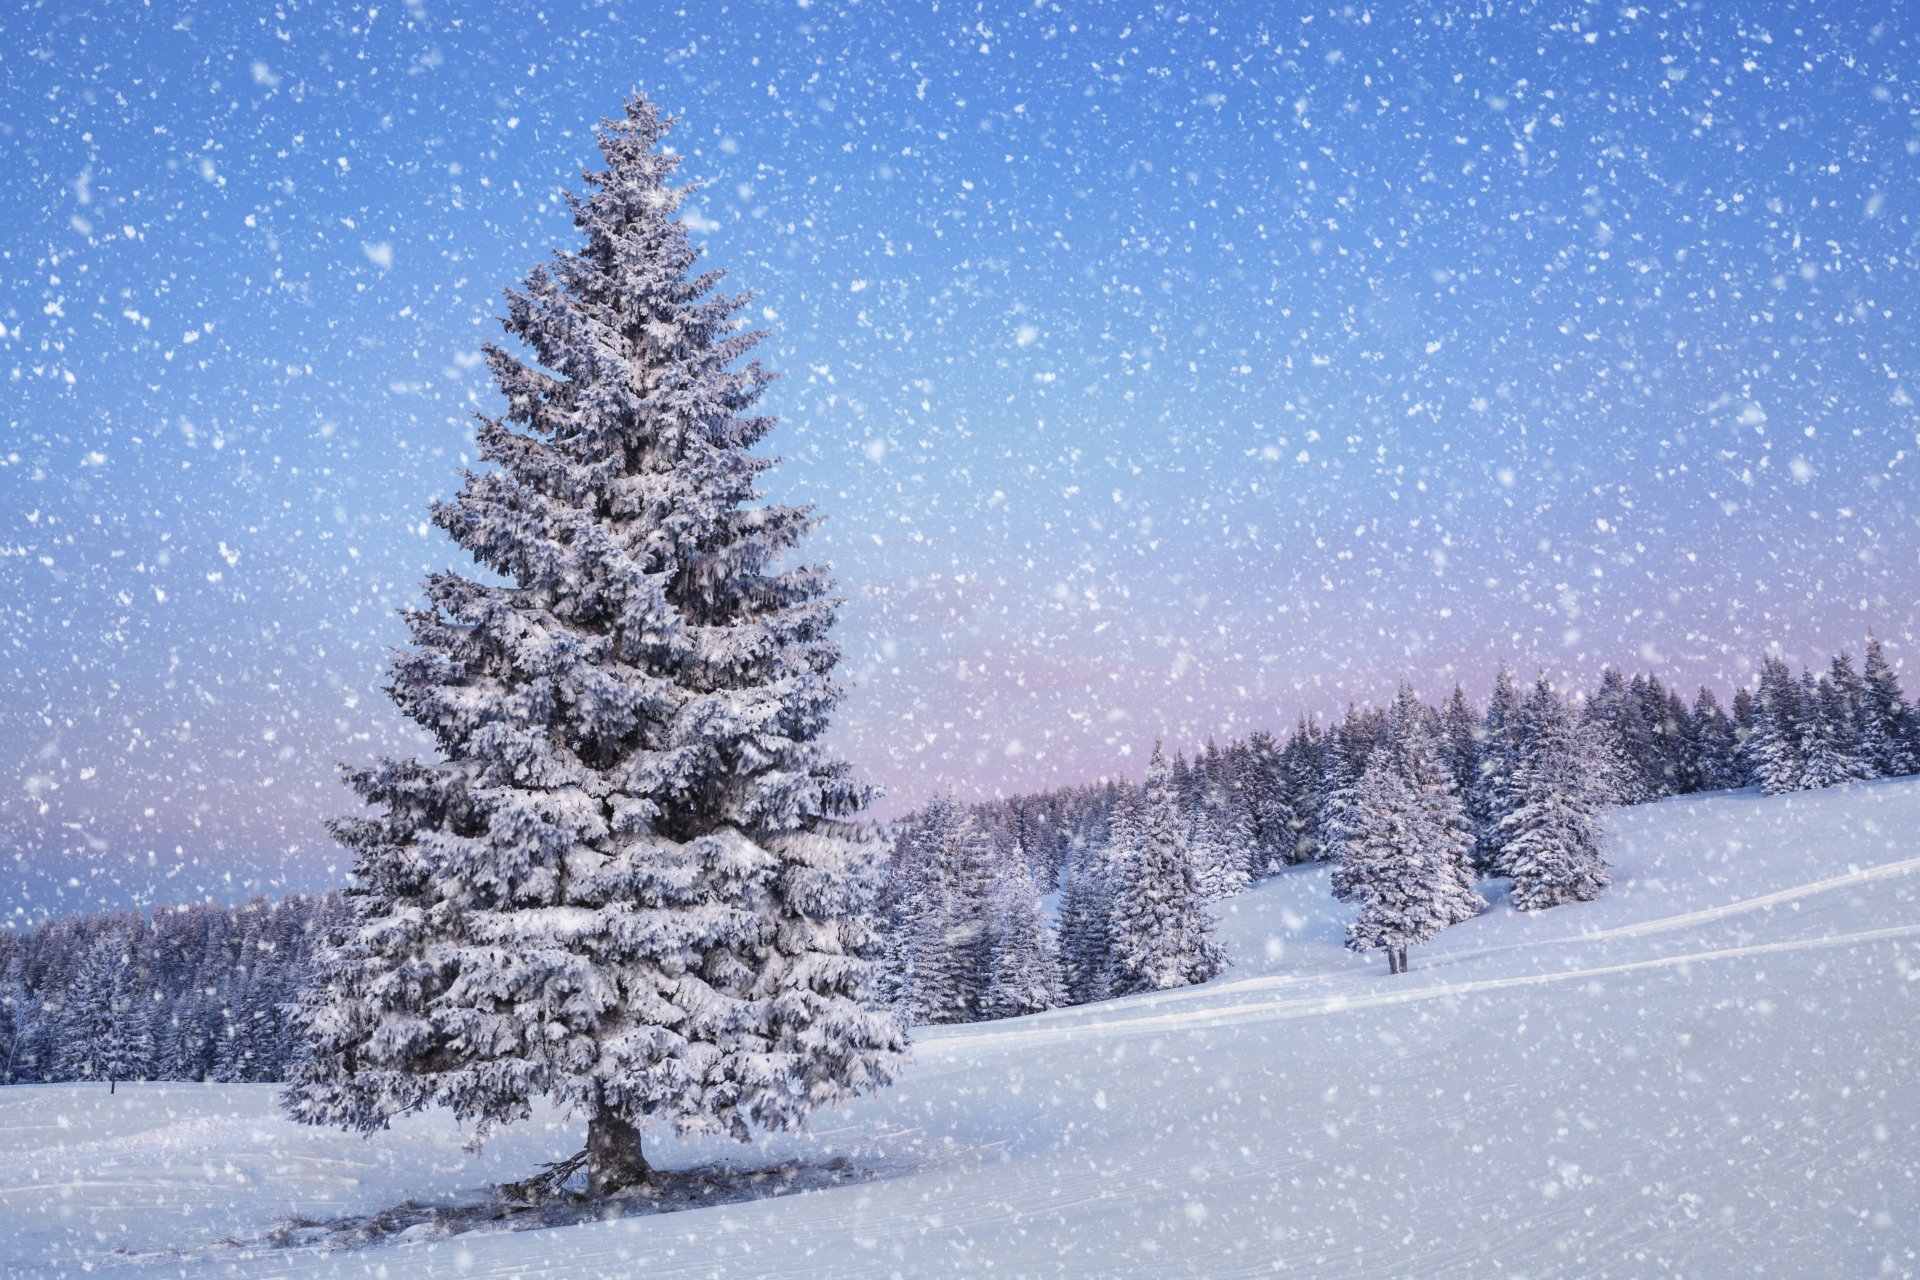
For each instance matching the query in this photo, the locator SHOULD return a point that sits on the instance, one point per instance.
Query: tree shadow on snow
(668, 1191)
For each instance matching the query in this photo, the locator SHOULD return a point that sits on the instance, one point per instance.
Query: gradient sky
(1159, 370)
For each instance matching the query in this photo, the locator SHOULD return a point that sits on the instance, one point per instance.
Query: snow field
(1706, 1072)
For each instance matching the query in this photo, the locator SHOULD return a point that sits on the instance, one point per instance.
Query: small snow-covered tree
(17, 1024)
(1086, 928)
(1026, 969)
(1890, 737)
(1775, 747)
(1219, 862)
(1830, 746)
(1163, 936)
(1491, 797)
(633, 882)
(1716, 747)
(1553, 842)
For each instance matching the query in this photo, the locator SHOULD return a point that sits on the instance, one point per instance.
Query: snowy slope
(1709, 1072)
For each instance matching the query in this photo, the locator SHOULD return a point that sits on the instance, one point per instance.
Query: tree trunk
(111, 1082)
(1403, 959)
(613, 1155)
(1393, 960)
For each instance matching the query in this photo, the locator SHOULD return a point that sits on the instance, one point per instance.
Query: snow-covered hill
(1711, 1071)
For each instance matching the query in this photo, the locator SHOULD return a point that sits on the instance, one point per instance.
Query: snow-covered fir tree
(1025, 967)
(1461, 734)
(1831, 749)
(1715, 745)
(17, 1024)
(1268, 807)
(1162, 933)
(1776, 748)
(1404, 863)
(1491, 797)
(1889, 734)
(1302, 762)
(943, 871)
(104, 1032)
(1086, 927)
(633, 882)
(1349, 746)
(1553, 843)
(1219, 860)
(1617, 712)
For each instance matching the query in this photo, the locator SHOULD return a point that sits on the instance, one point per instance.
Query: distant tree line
(1083, 893)
(1412, 804)
(195, 992)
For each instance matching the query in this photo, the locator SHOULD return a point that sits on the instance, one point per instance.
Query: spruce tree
(1831, 746)
(104, 1030)
(1302, 763)
(1716, 748)
(1776, 751)
(1026, 969)
(1403, 864)
(1554, 847)
(1086, 928)
(1890, 736)
(1616, 711)
(1163, 936)
(1219, 866)
(1268, 808)
(1491, 797)
(633, 882)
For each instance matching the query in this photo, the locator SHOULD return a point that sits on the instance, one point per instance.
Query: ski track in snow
(1707, 1072)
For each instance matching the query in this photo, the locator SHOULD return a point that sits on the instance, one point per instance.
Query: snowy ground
(1710, 1072)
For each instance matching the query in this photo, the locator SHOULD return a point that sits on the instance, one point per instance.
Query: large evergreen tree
(633, 882)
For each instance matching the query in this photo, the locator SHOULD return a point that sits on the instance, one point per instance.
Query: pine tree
(104, 1030)
(1026, 969)
(16, 1024)
(1268, 809)
(1745, 715)
(1219, 869)
(1554, 844)
(1163, 936)
(1616, 711)
(633, 884)
(1890, 736)
(1491, 797)
(1302, 764)
(1461, 736)
(1086, 928)
(1830, 745)
(1404, 862)
(1776, 750)
(1715, 745)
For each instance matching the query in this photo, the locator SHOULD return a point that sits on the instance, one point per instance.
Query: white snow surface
(1709, 1072)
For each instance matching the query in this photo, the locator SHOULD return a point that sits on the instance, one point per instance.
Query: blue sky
(1159, 370)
